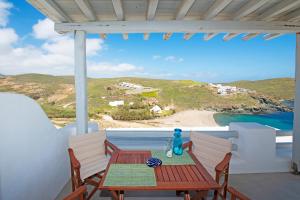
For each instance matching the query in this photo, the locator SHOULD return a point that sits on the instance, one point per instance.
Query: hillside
(56, 94)
(278, 88)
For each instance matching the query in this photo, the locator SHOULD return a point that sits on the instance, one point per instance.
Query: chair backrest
(89, 150)
(209, 150)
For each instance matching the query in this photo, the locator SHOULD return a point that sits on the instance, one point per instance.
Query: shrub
(124, 113)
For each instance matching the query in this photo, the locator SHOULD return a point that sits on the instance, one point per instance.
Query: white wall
(33, 153)
(256, 151)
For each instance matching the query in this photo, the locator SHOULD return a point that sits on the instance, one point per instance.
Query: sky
(28, 44)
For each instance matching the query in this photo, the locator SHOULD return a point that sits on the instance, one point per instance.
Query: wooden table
(182, 178)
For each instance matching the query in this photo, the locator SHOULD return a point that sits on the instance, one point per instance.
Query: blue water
(280, 120)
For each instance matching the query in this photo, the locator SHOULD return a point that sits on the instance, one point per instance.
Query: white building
(116, 103)
(156, 109)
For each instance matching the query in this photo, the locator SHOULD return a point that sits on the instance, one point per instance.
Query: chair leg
(187, 195)
(92, 193)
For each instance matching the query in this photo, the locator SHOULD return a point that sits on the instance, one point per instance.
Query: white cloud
(168, 58)
(44, 29)
(109, 68)
(8, 37)
(173, 59)
(4, 12)
(54, 56)
(156, 57)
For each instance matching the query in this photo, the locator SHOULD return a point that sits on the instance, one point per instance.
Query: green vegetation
(127, 113)
(278, 88)
(56, 94)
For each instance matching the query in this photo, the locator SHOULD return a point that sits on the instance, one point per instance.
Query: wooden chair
(214, 154)
(78, 194)
(88, 158)
(234, 194)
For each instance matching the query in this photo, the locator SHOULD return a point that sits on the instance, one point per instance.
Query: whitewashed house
(156, 109)
(116, 103)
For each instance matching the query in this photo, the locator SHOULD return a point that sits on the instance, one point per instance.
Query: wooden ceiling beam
(249, 36)
(151, 9)
(103, 36)
(188, 36)
(86, 9)
(272, 36)
(167, 36)
(248, 8)
(125, 36)
(146, 36)
(184, 8)
(119, 11)
(187, 26)
(54, 9)
(216, 8)
(229, 36)
(209, 36)
(278, 9)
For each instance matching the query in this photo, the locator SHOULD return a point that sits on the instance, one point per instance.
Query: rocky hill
(56, 94)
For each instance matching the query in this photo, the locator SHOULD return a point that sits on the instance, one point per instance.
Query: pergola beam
(216, 8)
(125, 36)
(209, 36)
(294, 16)
(248, 8)
(185, 6)
(146, 36)
(188, 36)
(118, 7)
(229, 36)
(86, 9)
(272, 36)
(54, 9)
(249, 36)
(196, 26)
(103, 36)
(279, 9)
(151, 10)
(167, 36)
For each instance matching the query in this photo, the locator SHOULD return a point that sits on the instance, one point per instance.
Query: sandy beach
(188, 118)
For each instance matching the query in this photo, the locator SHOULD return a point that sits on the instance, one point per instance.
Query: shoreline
(187, 118)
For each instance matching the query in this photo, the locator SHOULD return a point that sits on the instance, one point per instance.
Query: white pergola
(252, 18)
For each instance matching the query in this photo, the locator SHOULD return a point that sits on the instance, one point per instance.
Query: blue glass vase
(177, 142)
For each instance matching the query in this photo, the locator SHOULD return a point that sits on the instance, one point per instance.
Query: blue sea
(280, 120)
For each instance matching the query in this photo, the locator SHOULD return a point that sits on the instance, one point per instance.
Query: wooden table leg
(187, 195)
(121, 195)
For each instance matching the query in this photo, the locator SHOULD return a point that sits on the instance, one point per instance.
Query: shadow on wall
(33, 153)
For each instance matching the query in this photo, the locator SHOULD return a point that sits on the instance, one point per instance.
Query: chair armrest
(223, 165)
(77, 194)
(74, 162)
(236, 194)
(188, 145)
(110, 148)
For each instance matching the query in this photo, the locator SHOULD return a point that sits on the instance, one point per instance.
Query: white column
(296, 132)
(81, 83)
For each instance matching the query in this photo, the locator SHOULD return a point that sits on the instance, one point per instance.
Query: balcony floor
(268, 186)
